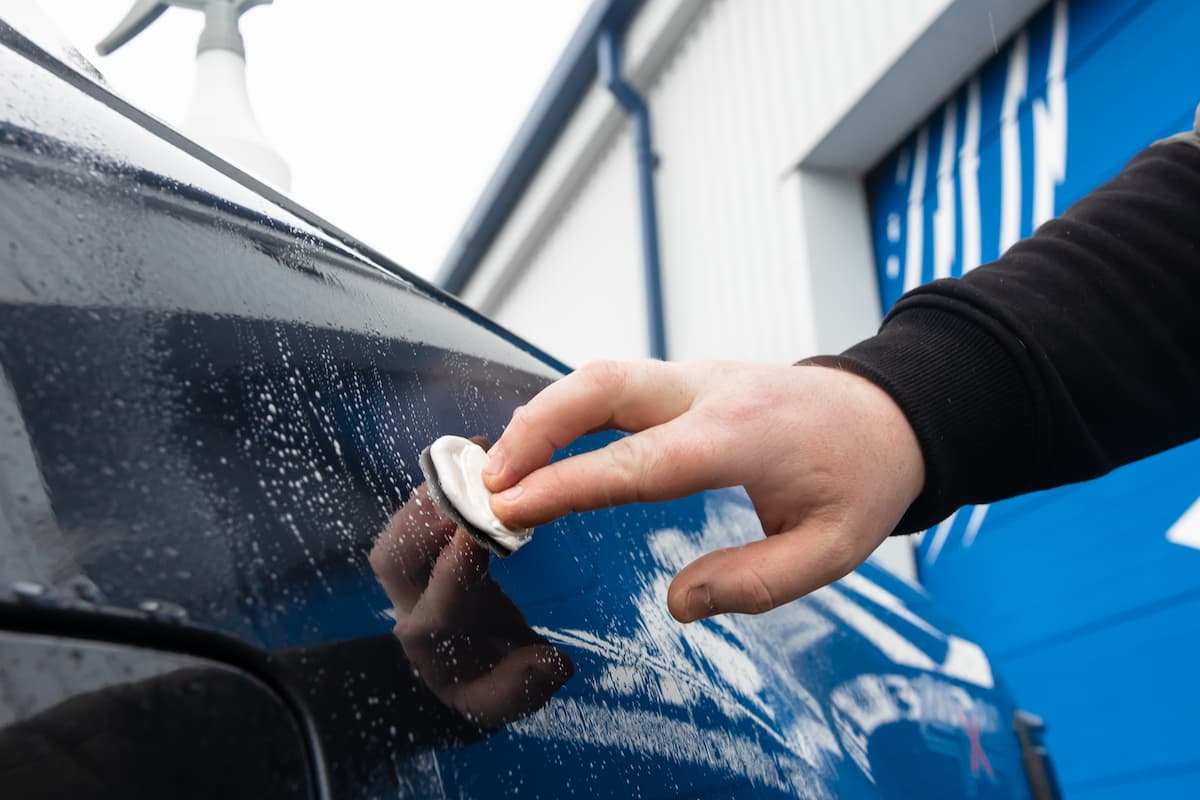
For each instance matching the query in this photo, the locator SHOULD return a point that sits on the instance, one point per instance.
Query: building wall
(749, 82)
(597, 266)
(736, 88)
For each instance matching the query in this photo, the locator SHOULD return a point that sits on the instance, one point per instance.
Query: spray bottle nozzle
(220, 27)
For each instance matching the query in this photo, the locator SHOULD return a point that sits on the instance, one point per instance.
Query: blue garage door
(1088, 597)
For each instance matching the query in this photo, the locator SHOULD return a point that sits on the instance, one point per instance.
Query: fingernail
(495, 462)
(508, 495)
(699, 603)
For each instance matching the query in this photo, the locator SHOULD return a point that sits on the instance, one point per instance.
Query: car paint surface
(215, 405)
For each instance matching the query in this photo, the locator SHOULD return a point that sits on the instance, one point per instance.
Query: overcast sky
(392, 114)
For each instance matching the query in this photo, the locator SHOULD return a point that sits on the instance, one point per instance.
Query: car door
(218, 402)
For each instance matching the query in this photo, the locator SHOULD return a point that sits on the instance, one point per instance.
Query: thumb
(764, 574)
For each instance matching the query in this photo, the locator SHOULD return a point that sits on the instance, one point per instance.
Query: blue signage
(1088, 596)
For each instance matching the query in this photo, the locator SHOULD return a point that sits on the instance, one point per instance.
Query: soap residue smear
(459, 463)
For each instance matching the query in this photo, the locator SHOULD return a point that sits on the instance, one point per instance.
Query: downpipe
(608, 53)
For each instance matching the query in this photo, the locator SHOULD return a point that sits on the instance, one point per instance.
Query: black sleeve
(1076, 352)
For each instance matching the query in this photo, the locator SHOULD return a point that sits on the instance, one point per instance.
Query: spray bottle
(219, 115)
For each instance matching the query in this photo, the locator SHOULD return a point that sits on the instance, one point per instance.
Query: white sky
(391, 113)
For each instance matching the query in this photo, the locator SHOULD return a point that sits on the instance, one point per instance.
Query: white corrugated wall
(581, 295)
(752, 81)
(739, 96)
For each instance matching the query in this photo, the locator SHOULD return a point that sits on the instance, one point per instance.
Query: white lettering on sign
(1050, 124)
(969, 174)
(1186, 530)
(1010, 142)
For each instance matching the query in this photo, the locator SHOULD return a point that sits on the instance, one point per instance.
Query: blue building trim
(564, 90)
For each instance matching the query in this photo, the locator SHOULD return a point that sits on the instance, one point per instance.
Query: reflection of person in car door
(462, 634)
(1076, 352)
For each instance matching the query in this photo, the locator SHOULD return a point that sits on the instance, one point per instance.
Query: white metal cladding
(582, 296)
(751, 80)
(745, 86)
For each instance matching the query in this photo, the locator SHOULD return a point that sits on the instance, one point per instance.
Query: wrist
(891, 433)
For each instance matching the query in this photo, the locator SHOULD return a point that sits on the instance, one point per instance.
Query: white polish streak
(943, 218)
(1010, 143)
(972, 247)
(646, 733)
(712, 660)
(880, 596)
(966, 661)
(891, 643)
(668, 669)
(868, 702)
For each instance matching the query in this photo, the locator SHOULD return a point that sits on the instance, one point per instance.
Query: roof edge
(561, 95)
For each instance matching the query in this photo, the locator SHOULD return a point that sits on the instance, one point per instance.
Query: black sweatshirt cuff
(966, 397)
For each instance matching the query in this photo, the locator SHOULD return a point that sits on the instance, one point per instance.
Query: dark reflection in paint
(465, 638)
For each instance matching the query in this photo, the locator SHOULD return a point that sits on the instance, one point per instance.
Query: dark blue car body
(212, 406)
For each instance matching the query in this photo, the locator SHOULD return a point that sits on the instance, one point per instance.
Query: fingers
(630, 396)
(405, 552)
(764, 574)
(678, 458)
(459, 569)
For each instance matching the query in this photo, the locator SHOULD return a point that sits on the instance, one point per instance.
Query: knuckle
(519, 418)
(527, 433)
(625, 456)
(629, 462)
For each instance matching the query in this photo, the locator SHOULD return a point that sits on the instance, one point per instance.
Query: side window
(79, 719)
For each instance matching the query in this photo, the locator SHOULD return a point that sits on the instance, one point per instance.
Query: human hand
(466, 639)
(827, 457)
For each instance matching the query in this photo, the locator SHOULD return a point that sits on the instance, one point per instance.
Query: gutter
(555, 105)
(608, 55)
